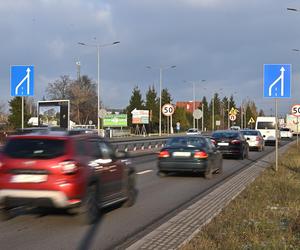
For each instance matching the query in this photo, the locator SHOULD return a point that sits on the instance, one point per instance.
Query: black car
(231, 143)
(190, 154)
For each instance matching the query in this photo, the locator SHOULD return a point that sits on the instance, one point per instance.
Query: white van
(267, 127)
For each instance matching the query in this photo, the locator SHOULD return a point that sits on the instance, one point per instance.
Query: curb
(180, 229)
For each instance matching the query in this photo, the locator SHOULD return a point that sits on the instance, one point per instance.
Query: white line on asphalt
(145, 172)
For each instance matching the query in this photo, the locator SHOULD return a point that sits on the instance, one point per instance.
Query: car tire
(131, 191)
(208, 174)
(162, 174)
(89, 211)
(6, 214)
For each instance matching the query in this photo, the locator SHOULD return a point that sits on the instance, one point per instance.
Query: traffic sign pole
(297, 132)
(276, 141)
(22, 111)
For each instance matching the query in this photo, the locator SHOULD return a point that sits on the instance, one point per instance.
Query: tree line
(83, 98)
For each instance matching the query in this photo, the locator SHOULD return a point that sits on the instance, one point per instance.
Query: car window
(35, 148)
(106, 151)
(187, 142)
(265, 125)
(80, 147)
(227, 134)
(249, 132)
(210, 145)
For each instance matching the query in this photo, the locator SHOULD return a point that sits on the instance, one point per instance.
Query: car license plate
(223, 144)
(29, 178)
(181, 154)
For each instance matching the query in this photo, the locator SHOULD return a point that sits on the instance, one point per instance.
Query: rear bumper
(174, 166)
(43, 198)
(234, 152)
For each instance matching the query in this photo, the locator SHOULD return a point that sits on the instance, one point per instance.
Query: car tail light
(68, 167)
(164, 154)
(235, 142)
(258, 138)
(200, 155)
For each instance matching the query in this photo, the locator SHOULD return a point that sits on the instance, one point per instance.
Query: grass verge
(266, 215)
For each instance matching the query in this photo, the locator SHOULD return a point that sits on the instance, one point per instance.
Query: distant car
(254, 139)
(286, 133)
(193, 131)
(81, 173)
(231, 143)
(190, 154)
(235, 128)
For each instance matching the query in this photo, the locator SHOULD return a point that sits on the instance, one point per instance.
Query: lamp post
(160, 89)
(98, 46)
(213, 110)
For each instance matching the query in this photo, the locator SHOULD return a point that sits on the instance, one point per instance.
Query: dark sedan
(190, 154)
(231, 143)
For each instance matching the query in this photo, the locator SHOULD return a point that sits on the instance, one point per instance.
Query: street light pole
(160, 87)
(98, 46)
(160, 90)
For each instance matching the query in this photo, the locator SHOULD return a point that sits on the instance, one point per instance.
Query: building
(189, 106)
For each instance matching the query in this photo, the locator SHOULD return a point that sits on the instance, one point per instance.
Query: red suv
(81, 172)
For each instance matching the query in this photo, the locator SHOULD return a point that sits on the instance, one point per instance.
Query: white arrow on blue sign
(277, 80)
(21, 80)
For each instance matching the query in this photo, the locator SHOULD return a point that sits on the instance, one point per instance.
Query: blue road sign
(21, 80)
(277, 80)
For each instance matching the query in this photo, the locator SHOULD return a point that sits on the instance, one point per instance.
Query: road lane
(157, 197)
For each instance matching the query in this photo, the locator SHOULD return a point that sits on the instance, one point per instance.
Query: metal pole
(194, 104)
(242, 115)
(276, 141)
(202, 127)
(213, 113)
(228, 121)
(171, 125)
(297, 131)
(160, 84)
(22, 112)
(98, 79)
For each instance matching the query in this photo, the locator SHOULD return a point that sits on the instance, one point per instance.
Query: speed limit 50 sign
(168, 109)
(296, 110)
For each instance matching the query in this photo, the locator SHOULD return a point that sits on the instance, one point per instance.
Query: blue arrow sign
(21, 80)
(277, 80)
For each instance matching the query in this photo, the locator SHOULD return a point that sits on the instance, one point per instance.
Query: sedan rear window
(187, 142)
(228, 134)
(35, 148)
(250, 132)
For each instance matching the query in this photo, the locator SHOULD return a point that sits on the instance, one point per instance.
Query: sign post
(277, 84)
(168, 110)
(21, 83)
(296, 112)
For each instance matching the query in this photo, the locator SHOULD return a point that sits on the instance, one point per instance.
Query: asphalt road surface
(159, 198)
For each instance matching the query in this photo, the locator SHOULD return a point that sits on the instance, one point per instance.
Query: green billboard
(114, 120)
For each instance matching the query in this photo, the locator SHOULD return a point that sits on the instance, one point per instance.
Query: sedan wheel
(131, 192)
(208, 173)
(89, 212)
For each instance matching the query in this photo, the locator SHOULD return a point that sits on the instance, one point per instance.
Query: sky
(224, 42)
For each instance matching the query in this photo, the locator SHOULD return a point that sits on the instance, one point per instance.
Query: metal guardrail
(139, 145)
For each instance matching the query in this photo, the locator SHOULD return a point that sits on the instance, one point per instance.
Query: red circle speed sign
(296, 110)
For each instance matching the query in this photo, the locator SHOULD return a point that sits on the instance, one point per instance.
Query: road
(159, 199)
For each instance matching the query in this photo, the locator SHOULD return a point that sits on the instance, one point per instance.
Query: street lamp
(292, 9)
(98, 46)
(160, 86)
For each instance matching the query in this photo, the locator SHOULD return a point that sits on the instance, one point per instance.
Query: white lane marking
(145, 172)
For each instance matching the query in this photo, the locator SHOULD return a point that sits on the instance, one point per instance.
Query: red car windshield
(35, 148)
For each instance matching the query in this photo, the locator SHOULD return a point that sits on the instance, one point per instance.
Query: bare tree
(59, 89)
(83, 100)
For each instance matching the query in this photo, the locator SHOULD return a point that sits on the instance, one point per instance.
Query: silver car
(254, 139)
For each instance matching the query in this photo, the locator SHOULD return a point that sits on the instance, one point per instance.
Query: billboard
(54, 113)
(140, 116)
(115, 120)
